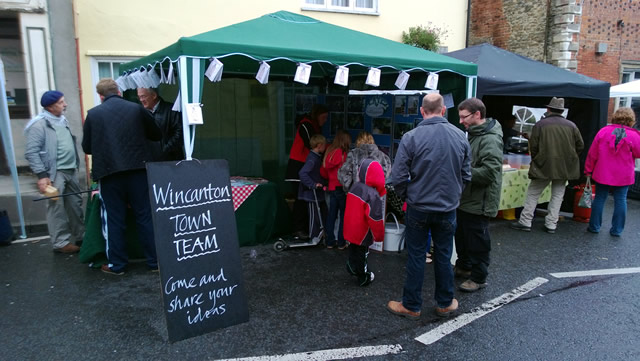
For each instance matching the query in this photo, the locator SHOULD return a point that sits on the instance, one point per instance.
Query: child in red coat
(364, 219)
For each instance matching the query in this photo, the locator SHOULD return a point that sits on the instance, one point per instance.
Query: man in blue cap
(53, 156)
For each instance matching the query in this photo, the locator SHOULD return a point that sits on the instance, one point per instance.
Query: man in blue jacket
(114, 134)
(430, 170)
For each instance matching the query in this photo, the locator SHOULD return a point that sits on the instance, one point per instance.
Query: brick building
(598, 38)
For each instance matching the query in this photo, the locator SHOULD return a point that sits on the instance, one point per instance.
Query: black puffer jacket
(115, 133)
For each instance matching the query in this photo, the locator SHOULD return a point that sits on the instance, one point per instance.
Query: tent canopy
(284, 39)
(501, 72)
(630, 89)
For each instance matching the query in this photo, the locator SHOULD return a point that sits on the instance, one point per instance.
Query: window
(346, 6)
(630, 72)
(103, 67)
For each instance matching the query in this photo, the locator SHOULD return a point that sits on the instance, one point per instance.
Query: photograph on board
(356, 104)
(400, 105)
(381, 126)
(337, 122)
(400, 128)
(413, 104)
(355, 121)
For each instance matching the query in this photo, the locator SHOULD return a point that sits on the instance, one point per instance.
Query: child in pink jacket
(610, 163)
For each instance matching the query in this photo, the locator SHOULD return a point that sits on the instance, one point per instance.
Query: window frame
(95, 73)
(351, 9)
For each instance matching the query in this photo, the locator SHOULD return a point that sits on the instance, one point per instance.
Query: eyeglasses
(466, 116)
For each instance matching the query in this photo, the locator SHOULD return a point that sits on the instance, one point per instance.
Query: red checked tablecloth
(241, 193)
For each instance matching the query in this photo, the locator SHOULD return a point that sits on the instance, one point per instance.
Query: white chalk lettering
(214, 295)
(206, 279)
(172, 286)
(185, 222)
(190, 248)
(178, 303)
(199, 317)
(167, 196)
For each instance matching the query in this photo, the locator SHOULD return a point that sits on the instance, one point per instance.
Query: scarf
(60, 121)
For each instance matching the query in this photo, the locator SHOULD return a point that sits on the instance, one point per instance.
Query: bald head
(432, 106)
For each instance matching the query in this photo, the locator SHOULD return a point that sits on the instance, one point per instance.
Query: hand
(43, 183)
(319, 185)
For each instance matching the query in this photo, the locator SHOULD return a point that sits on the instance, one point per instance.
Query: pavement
(304, 306)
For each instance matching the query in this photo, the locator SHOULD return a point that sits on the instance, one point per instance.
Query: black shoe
(368, 279)
(549, 230)
(520, 227)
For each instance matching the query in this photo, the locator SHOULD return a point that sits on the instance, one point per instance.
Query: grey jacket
(42, 147)
(348, 173)
(432, 165)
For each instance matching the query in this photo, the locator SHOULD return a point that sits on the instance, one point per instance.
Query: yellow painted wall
(140, 27)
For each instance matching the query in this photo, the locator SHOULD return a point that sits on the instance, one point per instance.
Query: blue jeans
(442, 226)
(337, 202)
(619, 208)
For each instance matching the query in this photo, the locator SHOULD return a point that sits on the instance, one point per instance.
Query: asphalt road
(54, 308)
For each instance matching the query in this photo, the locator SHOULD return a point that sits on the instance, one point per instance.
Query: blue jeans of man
(619, 208)
(337, 202)
(442, 226)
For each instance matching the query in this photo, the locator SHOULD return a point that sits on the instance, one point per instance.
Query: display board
(197, 246)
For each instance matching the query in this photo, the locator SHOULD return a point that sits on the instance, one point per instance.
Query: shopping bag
(585, 199)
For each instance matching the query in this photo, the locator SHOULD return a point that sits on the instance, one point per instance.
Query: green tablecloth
(514, 189)
(261, 217)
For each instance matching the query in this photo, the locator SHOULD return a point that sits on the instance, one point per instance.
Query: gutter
(466, 36)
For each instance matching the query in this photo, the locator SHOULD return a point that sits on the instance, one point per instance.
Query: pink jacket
(610, 163)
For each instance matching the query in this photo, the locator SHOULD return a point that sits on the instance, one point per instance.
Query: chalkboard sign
(197, 246)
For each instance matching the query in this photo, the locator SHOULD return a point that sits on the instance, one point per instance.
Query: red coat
(332, 164)
(300, 148)
(363, 216)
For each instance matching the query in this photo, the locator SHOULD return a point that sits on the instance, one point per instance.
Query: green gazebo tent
(284, 40)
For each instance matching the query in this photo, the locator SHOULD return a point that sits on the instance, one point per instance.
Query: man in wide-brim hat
(555, 144)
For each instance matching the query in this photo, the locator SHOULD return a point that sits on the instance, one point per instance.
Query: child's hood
(373, 175)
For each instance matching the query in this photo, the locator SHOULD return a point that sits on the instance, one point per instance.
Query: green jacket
(482, 195)
(554, 145)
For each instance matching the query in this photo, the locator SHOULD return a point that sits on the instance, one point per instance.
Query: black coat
(171, 147)
(115, 134)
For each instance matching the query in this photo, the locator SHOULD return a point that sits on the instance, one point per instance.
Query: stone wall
(519, 26)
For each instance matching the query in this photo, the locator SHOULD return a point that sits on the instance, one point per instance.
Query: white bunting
(403, 79)
(214, 71)
(432, 81)
(373, 78)
(342, 76)
(303, 72)
(177, 104)
(194, 113)
(263, 73)
(170, 78)
(121, 84)
(154, 79)
(163, 79)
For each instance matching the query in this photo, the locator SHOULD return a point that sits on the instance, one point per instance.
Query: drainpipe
(466, 36)
(80, 93)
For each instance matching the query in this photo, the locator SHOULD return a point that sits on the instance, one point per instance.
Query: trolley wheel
(279, 246)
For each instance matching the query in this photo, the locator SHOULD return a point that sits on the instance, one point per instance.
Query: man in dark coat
(171, 146)
(114, 134)
(554, 145)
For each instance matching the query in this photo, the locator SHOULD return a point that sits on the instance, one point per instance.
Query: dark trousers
(316, 218)
(357, 263)
(300, 211)
(337, 203)
(118, 191)
(473, 245)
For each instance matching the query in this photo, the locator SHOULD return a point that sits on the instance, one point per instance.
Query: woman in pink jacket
(610, 163)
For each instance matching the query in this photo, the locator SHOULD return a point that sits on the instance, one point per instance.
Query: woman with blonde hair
(365, 148)
(610, 162)
(334, 158)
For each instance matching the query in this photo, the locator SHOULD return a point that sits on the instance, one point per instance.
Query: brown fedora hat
(556, 104)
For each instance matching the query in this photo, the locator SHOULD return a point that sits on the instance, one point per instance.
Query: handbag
(586, 198)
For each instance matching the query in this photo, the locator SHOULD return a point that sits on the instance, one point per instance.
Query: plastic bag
(586, 198)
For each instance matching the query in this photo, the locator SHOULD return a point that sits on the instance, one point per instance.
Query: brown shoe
(448, 311)
(397, 308)
(68, 249)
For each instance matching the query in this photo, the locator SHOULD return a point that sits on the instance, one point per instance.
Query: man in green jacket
(480, 198)
(554, 145)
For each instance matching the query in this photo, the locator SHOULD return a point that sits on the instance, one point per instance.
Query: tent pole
(7, 141)
(184, 95)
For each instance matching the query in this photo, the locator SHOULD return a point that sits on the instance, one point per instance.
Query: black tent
(506, 79)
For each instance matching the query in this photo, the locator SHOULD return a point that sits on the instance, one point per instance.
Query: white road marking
(490, 306)
(600, 272)
(335, 354)
(33, 239)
